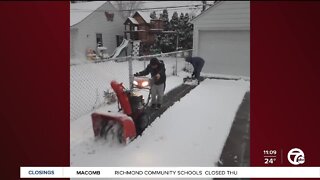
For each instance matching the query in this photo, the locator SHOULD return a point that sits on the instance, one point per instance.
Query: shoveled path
(236, 151)
(168, 100)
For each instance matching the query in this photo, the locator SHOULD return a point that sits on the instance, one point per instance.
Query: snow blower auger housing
(128, 123)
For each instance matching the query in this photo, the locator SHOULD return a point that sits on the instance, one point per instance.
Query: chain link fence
(90, 81)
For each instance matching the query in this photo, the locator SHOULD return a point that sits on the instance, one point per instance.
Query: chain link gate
(90, 81)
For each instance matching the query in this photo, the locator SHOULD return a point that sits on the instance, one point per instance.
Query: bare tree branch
(127, 5)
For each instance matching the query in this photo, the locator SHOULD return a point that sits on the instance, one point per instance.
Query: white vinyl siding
(97, 23)
(222, 37)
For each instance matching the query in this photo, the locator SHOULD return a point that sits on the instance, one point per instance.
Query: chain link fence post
(176, 70)
(130, 73)
(177, 49)
(134, 56)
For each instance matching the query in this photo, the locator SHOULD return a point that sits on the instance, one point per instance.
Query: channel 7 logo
(296, 156)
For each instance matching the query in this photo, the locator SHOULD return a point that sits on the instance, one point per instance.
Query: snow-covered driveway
(190, 133)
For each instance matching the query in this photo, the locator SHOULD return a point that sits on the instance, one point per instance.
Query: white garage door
(225, 52)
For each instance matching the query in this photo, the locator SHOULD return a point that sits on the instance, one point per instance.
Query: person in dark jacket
(197, 63)
(158, 74)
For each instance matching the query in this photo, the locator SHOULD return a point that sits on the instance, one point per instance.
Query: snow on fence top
(75, 61)
(79, 11)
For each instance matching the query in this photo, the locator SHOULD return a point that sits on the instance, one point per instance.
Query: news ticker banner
(169, 172)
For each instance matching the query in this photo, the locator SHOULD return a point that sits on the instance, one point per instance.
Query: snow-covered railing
(167, 54)
(176, 54)
(182, 53)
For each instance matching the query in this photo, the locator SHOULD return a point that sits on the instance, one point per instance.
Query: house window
(99, 39)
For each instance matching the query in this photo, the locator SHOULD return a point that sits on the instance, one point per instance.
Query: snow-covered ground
(190, 133)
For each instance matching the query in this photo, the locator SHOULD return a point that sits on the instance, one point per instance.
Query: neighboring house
(141, 27)
(222, 37)
(93, 23)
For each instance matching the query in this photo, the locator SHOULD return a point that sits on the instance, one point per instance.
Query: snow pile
(225, 76)
(190, 133)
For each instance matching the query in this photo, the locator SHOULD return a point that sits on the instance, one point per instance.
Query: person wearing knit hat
(158, 73)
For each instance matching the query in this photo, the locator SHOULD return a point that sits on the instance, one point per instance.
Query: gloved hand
(157, 76)
(136, 74)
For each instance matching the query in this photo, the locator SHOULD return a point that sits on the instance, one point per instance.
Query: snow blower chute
(128, 123)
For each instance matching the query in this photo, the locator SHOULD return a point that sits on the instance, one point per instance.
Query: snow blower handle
(122, 96)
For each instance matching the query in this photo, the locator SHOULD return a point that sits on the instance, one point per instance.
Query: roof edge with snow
(144, 16)
(133, 20)
(89, 13)
(206, 11)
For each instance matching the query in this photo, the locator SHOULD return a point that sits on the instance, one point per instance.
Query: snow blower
(131, 119)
